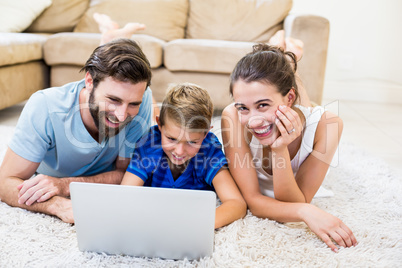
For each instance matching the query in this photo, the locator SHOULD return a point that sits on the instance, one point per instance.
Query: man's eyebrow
(135, 103)
(120, 100)
(114, 97)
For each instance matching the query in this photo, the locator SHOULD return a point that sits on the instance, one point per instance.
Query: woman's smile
(263, 131)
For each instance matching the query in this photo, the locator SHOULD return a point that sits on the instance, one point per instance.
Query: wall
(364, 58)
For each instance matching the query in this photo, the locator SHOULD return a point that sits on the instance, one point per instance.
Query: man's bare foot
(105, 23)
(288, 43)
(110, 29)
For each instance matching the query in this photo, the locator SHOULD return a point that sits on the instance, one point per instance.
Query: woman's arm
(313, 170)
(241, 167)
(290, 127)
(233, 205)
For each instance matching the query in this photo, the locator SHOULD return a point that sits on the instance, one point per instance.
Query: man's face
(113, 104)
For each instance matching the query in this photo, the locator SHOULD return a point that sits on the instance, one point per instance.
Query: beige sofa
(196, 41)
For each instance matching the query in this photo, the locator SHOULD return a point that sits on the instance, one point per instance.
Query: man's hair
(121, 59)
(188, 105)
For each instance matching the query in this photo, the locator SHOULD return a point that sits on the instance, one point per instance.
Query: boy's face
(179, 143)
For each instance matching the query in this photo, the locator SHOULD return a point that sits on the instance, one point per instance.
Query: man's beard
(99, 118)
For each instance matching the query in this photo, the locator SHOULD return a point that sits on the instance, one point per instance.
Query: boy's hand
(40, 189)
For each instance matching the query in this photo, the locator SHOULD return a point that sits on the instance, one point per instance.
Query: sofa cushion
(240, 20)
(61, 16)
(16, 16)
(164, 19)
(20, 47)
(201, 55)
(75, 48)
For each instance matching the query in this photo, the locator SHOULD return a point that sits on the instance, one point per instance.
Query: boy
(180, 152)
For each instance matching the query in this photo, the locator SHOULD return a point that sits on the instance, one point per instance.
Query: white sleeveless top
(313, 116)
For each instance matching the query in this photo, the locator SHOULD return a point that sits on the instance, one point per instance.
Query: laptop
(144, 221)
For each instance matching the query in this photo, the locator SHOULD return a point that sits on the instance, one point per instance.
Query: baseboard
(363, 91)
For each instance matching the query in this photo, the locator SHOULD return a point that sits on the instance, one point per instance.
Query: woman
(279, 152)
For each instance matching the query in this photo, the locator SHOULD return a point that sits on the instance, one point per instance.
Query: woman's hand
(289, 125)
(328, 227)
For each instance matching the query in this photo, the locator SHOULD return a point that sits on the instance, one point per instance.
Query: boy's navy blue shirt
(150, 163)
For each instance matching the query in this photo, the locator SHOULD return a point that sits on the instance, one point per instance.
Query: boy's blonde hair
(188, 105)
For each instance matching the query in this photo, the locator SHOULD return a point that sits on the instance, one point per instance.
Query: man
(83, 131)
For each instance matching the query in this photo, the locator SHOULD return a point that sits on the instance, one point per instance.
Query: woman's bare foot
(288, 43)
(295, 46)
(110, 29)
(278, 39)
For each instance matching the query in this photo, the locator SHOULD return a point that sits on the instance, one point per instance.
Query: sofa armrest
(314, 32)
(16, 48)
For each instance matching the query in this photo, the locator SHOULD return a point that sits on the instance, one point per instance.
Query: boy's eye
(192, 142)
(172, 139)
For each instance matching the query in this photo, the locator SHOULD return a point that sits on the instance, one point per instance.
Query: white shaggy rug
(368, 198)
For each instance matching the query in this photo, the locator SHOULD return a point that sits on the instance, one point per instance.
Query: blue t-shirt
(50, 131)
(150, 163)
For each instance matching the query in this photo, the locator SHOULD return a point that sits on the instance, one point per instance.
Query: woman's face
(257, 103)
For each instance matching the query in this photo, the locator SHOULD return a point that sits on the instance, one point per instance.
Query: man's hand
(62, 208)
(65, 212)
(41, 188)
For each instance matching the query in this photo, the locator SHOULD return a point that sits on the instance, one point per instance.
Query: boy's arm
(131, 179)
(233, 205)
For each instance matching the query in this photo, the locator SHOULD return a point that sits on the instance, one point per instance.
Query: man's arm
(14, 171)
(110, 177)
(42, 187)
